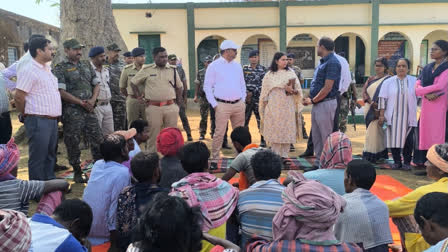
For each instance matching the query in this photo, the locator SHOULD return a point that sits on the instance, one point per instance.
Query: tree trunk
(90, 22)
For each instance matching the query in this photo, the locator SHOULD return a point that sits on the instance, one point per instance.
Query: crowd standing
(150, 191)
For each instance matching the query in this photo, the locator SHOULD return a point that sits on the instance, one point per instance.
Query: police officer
(163, 94)
(118, 101)
(79, 90)
(128, 59)
(135, 109)
(253, 75)
(103, 108)
(172, 59)
(199, 96)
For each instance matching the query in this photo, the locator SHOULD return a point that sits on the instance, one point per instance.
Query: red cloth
(15, 232)
(49, 202)
(169, 141)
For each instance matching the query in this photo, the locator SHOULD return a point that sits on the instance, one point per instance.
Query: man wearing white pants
(225, 90)
(103, 109)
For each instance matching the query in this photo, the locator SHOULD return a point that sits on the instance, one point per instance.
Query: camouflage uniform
(299, 74)
(253, 78)
(182, 110)
(79, 80)
(118, 101)
(204, 105)
(344, 107)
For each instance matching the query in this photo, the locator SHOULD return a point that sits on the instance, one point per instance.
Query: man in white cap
(225, 90)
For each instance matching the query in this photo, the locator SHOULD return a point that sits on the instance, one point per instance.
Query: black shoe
(226, 146)
(211, 135)
(292, 148)
(60, 168)
(307, 154)
(420, 173)
(263, 144)
(79, 177)
(310, 169)
(213, 166)
(201, 138)
(189, 138)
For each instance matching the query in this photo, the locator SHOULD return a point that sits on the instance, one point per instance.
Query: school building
(362, 29)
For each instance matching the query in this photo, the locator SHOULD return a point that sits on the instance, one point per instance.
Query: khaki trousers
(160, 118)
(105, 117)
(224, 112)
(134, 110)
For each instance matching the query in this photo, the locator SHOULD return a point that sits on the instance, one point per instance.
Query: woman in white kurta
(398, 108)
(279, 106)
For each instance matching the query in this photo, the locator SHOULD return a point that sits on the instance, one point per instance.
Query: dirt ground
(357, 138)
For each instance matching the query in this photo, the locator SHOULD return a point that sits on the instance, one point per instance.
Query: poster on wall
(392, 50)
(267, 51)
(304, 56)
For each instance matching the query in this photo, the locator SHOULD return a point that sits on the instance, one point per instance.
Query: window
(12, 55)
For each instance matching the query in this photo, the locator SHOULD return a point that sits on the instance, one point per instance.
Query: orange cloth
(101, 248)
(243, 183)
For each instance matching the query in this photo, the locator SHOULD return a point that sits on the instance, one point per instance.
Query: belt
(159, 103)
(42, 116)
(229, 102)
(102, 103)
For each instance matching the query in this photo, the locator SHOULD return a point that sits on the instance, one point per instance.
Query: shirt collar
(39, 65)
(326, 58)
(96, 69)
(264, 182)
(46, 219)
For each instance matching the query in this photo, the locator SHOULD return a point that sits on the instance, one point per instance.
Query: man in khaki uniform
(135, 109)
(163, 93)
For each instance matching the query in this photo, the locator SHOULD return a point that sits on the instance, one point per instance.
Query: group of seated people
(136, 201)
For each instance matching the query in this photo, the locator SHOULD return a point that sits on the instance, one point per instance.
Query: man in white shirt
(225, 90)
(103, 109)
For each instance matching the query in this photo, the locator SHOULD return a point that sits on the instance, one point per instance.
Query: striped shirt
(4, 100)
(257, 207)
(41, 86)
(296, 245)
(15, 194)
(365, 220)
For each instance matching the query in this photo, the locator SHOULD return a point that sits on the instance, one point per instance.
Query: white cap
(228, 44)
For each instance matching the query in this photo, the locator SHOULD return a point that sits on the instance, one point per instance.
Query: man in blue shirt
(323, 94)
(108, 178)
(66, 230)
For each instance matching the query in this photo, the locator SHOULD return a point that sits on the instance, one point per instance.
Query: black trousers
(5, 127)
(407, 150)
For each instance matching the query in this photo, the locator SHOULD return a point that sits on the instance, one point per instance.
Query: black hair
(37, 43)
(266, 165)
(139, 125)
(443, 44)
(33, 36)
(241, 135)
(112, 146)
(157, 50)
(433, 206)
(169, 224)
(383, 61)
(194, 157)
(362, 172)
(442, 150)
(327, 43)
(274, 66)
(72, 209)
(26, 46)
(143, 165)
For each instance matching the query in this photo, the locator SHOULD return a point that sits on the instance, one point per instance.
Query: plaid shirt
(328, 69)
(293, 246)
(15, 231)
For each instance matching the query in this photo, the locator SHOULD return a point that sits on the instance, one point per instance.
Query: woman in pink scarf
(337, 153)
(305, 221)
